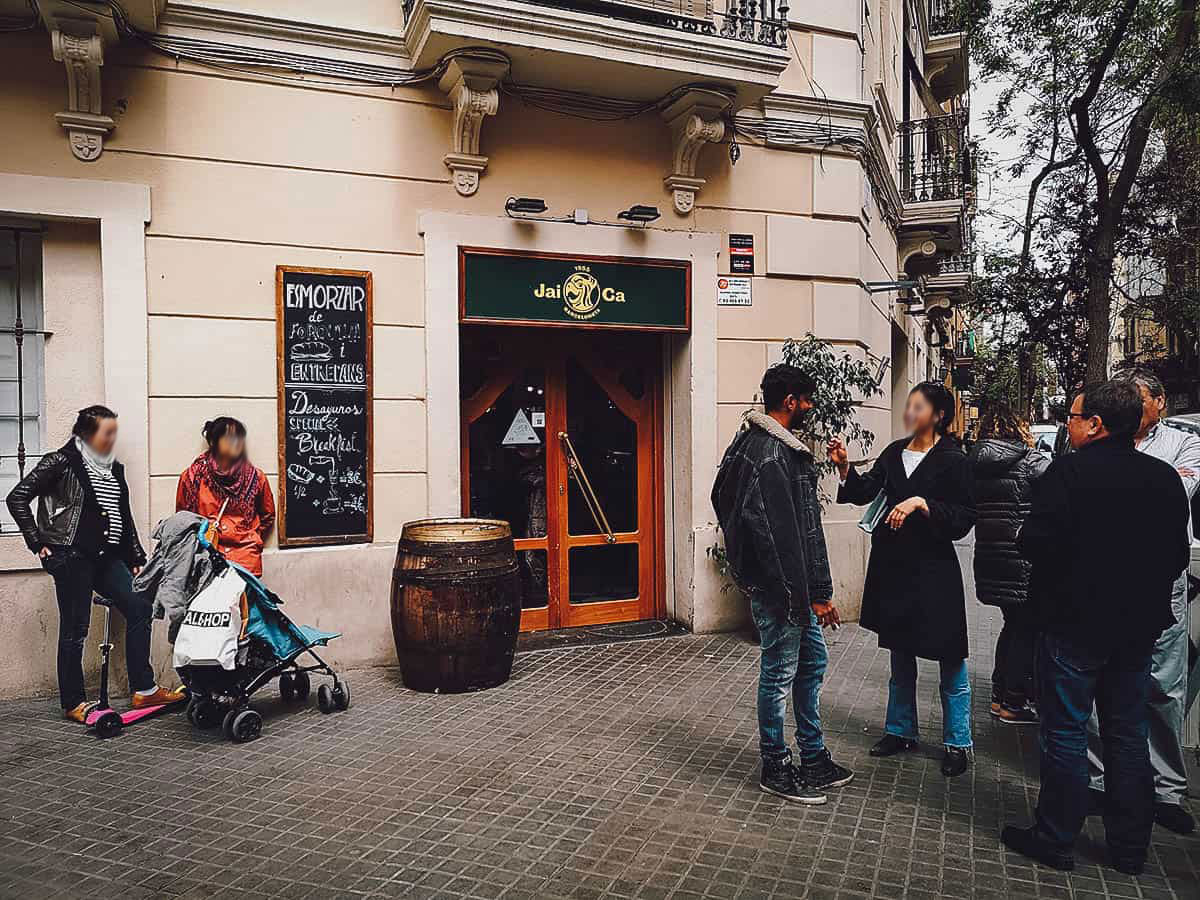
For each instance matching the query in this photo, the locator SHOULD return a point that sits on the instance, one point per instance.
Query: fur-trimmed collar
(753, 418)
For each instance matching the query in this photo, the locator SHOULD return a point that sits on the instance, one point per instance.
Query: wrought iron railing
(962, 263)
(964, 348)
(753, 21)
(946, 16)
(935, 159)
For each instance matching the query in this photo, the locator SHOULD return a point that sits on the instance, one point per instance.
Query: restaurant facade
(514, 259)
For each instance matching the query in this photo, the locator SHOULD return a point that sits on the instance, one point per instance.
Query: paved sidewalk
(626, 770)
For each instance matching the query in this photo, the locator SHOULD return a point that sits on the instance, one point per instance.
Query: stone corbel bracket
(695, 119)
(471, 83)
(83, 55)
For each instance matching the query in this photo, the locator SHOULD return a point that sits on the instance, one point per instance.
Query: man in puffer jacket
(1005, 464)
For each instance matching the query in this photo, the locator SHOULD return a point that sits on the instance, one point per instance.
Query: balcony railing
(752, 21)
(935, 159)
(957, 264)
(946, 16)
(964, 348)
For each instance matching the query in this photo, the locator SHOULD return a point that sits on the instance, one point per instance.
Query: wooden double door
(562, 437)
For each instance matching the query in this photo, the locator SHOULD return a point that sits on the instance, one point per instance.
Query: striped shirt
(108, 495)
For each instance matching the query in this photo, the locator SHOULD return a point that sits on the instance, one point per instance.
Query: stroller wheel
(325, 700)
(287, 687)
(206, 714)
(341, 693)
(303, 685)
(245, 726)
(227, 723)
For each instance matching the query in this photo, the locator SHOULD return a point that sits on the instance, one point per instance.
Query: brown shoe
(1022, 715)
(160, 697)
(80, 713)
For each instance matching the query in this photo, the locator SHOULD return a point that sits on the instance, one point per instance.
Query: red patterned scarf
(238, 486)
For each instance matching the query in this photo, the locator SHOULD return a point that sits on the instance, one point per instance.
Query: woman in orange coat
(223, 486)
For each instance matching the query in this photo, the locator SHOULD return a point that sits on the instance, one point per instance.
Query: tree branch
(1081, 113)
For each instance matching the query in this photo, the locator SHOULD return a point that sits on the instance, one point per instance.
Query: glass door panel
(508, 457)
(605, 440)
(504, 458)
(604, 572)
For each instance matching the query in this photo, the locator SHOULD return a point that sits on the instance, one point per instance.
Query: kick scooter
(105, 721)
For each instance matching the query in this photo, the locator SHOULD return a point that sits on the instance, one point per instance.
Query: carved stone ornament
(471, 83)
(82, 120)
(696, 120)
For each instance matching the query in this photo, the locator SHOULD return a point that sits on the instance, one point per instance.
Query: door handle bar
(575, 468)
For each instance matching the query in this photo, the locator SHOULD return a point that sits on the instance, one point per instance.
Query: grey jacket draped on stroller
(179, 567)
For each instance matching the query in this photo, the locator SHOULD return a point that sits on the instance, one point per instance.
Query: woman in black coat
(1005, 464)
(913, 597)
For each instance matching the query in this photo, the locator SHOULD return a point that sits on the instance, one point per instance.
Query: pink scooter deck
(129, 716)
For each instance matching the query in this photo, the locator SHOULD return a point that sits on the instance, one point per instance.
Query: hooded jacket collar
(756, 419)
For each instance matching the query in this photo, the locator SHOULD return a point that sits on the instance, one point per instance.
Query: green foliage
(842, 382)
(721, 560)
(840, 379)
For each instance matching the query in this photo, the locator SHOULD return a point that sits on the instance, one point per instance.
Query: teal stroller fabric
(267, 622)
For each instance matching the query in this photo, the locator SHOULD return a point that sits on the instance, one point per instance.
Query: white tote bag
(210, 629)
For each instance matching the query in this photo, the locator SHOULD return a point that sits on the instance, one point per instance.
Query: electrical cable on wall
(818, 135)
(789, 132)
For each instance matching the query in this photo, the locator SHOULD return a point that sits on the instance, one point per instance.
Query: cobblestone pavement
(626, 770)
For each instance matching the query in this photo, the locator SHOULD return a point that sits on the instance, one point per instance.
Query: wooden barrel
(456, 604)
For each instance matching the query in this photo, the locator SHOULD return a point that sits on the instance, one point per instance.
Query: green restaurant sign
(515, 288)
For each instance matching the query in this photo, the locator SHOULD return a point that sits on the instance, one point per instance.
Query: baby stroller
(268, 645)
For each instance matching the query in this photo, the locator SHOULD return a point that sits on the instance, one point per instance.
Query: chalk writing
(325, 405)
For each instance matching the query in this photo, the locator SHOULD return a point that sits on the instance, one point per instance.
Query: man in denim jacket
(765, 497)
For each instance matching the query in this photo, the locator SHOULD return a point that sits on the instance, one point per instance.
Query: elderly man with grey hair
(1169, 663)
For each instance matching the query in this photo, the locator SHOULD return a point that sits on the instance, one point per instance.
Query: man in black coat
(765, 497)
(1107, 536)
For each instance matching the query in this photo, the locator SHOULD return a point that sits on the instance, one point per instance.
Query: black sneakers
(824, 773)
(1028, 842)
(783, 780)
(1173, 817)
(891, 744)
(955, 761)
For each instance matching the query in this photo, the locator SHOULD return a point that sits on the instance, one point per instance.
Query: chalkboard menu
(323, 319)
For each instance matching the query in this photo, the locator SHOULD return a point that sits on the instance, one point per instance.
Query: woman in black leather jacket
(1005, 464)
(85, 537)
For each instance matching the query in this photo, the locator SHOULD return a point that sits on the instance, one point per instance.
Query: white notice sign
(733, 291)
(520, 432)
(539, 419)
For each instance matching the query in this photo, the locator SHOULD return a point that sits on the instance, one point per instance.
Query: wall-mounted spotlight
(639, 213)
(878, 287)
(524, 206)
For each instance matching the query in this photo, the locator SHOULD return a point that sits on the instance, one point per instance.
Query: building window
(22, 357)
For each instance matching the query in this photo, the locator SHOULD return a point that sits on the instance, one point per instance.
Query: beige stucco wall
(246, 173)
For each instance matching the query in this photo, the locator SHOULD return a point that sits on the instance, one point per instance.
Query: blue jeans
(793, 660)
(1070, 679)
(956, 700)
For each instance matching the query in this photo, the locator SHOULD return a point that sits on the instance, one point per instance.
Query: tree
(1086, 85)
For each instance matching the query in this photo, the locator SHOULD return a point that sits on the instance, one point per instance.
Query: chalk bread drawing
(311, 350)
(301, 474)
